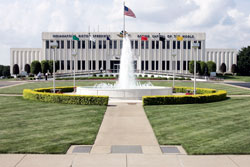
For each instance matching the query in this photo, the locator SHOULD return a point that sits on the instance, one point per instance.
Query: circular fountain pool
(128, 94)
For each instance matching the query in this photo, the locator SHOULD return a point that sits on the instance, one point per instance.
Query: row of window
(165, 65)
(81, 65)
(102, 44)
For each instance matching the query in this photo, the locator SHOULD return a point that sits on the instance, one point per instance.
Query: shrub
(35, 67)
(211, 67)
(145, 76)
(140, 76)
(94, 75)
(27, 68)
(223, 68)
(106, 75)
(234, 69)
(43, 95)
(203, 96)
(16, 69)
(152, 76)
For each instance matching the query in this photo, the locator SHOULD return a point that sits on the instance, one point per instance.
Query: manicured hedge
(205, 96)
(43, 95)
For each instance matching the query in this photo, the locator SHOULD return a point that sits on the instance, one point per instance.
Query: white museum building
(160, 52)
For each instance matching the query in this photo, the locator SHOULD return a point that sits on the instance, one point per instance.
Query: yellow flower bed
(203, 95)
(43, 94)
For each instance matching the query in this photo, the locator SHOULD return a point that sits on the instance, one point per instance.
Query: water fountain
(126, 87)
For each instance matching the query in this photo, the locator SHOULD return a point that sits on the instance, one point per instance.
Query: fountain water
(126, 87)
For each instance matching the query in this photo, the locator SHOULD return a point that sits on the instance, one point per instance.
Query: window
(184, 45)
(89, 44)
(115, 44)
(100, 44)
(121, 44)
(168, 65)
(83, 64)
(174, 44)
(163, 44)
(199, 44)
(79, 44)
(184, 65)
(153, 44)
(78, 65)
(73, 44)
(178, 44)
(100, 64)
(93, 44)
(146, 44)
(83, 44)
(189, 44)
(73, 65)
(135, 64)
(146, 65)
(136, 44)
(157, 44)
(110, 44)
(142, 65)
(47, 44)
(178, 65)
(68, 65)
(153, 65)
(163, 65)
(168, 44)
(142, 44)
(93, 64)
(68, 44)
(89, 65)
(132, 44)
(104, 65)
(58, 44)
(62, 65)
(104, 45)
(62, 44)
(157, 65)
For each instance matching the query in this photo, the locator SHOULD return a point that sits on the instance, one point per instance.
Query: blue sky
(226, 22)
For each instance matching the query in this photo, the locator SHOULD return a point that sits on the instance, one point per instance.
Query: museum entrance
(115, 66)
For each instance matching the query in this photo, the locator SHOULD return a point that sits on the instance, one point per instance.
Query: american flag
(128, 12)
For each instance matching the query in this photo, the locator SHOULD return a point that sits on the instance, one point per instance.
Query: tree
(191, 67)
(243, 61)
(1, 70)
(35, 67)
(211, 67)
(203, 70)
(6, 71)
(234, 69)
(15, 69)
(223, 68)
(45, 66)
(27, 68)
(51, 66)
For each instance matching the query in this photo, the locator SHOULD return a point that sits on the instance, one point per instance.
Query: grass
(230, 89)
(37, 127)
(236, 78)
(212, 128)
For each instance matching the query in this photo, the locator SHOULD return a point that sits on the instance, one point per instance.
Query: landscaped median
(203, 95)
(43, 94)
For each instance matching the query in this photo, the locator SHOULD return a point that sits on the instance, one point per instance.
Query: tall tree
(1, 70)
(35, 67)
(27, 68)
(211, 66)
(243, 61)
(45, 66)
(6, 71)
(223, 68)
(191, 67)
(51, 66)
(234, 69)
(203, 68)
(15, 69)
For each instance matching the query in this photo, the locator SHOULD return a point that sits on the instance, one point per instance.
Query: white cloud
(23, 21)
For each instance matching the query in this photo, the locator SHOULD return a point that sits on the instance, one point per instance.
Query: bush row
(43, 95)
(198, 90)
(185, 99)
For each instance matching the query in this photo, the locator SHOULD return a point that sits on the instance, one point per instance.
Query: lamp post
(54, 46)
(174, 56)
(74, 54)
(195, 46)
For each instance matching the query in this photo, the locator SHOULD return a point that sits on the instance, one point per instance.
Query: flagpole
(123, 19)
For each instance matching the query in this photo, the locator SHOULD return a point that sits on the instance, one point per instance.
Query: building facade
(104, 53)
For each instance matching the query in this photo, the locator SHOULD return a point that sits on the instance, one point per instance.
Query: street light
(174, 55)
(54, 46)
(74, 54)
(195, 46)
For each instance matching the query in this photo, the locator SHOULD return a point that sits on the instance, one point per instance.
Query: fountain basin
(126, 94)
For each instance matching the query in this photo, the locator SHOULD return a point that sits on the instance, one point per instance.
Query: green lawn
(212, 128)
(37, 127)
(230, 89)
(236, 78)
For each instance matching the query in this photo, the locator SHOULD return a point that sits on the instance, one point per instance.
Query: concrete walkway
(126, 124)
